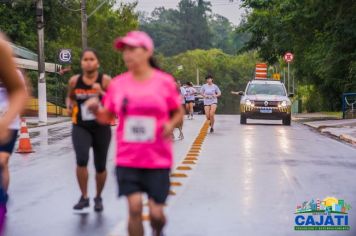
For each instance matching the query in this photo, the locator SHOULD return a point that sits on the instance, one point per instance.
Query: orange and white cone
(24, 141)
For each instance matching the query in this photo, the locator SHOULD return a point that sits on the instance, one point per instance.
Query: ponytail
(154, 63)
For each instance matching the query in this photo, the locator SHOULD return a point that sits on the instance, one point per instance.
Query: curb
(343, 137)
(311, 119)
(348, 138)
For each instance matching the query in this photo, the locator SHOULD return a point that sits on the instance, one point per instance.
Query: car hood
(264, 97)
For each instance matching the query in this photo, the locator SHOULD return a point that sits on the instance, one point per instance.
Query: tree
(176, 31)
(231, 72)
(63, 30)
(321, 35)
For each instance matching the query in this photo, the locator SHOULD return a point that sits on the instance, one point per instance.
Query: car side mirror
(291, 95)
(241, 93)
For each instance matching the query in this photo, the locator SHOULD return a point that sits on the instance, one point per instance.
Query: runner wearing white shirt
(210, 92)
(190, 99)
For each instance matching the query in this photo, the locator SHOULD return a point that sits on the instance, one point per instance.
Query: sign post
(65, 56)
(288, 57)
(42, 94)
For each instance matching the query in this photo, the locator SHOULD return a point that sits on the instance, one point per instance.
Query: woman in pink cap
(148, 105)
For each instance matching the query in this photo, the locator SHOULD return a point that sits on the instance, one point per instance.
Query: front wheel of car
(243, 119)
(287, 120)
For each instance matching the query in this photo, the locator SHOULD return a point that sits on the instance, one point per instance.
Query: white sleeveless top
(4, 104)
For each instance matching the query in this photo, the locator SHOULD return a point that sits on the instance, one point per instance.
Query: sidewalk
(316, 116)
(33, 122)
(342, 129)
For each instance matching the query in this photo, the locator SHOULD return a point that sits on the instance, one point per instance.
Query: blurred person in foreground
(148, 105)
(12, 99)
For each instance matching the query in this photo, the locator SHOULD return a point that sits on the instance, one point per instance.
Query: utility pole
(42, 93)
(198, 76)
(84, 25)
(288, 78)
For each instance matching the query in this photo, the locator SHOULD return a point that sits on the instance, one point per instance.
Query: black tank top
(81, 93)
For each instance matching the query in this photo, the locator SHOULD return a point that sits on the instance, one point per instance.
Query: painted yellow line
(192, 154)
(184, 168)
(178, 175)
(190, 159)
(176, 184)
(194, 150)
(171, 192)
(189, 162)
(196, 146)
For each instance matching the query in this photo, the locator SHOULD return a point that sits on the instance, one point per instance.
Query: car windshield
(266, 89)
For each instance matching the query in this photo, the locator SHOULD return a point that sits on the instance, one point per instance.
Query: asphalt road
(247, 181)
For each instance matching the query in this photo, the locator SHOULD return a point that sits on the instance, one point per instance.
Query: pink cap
(135, 39)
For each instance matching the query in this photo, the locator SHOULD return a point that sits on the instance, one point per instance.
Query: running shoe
(211, 130)
(83, 202)
(98, 207)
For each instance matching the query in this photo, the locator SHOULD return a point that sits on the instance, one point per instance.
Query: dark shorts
(154, 182)
(10, 145)
(98, 137)
(188, 102)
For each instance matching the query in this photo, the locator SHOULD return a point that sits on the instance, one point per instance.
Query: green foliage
(176, 31)
(322, 36)
(231, 73)
(191, 26)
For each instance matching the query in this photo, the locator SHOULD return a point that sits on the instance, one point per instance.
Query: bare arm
(106, 81)
(218, 94)
(176, 119)
(103, 86)
(103, 115)
(69, 99)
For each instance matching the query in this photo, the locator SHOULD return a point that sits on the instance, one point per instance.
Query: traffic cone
(24, 141)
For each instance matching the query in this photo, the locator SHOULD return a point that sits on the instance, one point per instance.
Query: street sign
(288, 57)
(65, 56)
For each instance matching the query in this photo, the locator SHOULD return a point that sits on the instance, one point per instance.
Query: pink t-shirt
(143, 107)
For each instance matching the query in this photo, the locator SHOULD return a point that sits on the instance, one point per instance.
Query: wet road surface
(247, 181)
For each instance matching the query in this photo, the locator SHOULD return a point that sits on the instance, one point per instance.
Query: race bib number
(209, 97)
(87, 115)
(140, 129)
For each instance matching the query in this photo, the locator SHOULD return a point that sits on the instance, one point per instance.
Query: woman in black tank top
(87, 132)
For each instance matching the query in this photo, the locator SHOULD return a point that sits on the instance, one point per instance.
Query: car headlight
(284, 104)
(249, 103)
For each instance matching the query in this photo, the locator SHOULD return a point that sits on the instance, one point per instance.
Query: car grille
(270, 104)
